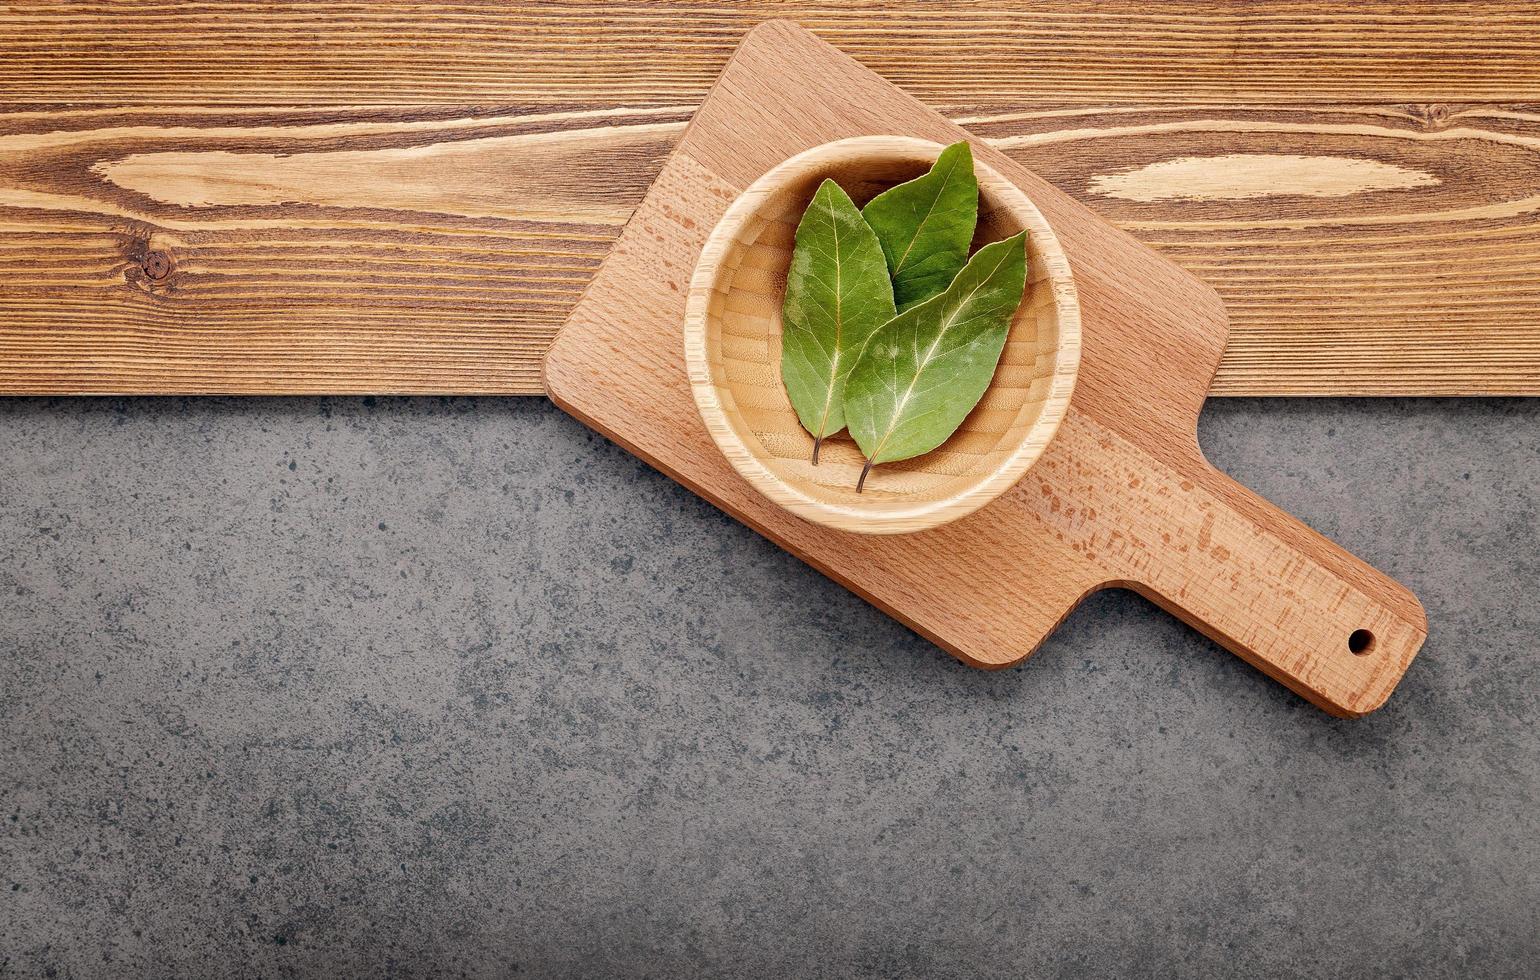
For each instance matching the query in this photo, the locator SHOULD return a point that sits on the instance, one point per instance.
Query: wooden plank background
(329, 197)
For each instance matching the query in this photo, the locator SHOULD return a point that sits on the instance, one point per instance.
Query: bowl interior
(745, 266)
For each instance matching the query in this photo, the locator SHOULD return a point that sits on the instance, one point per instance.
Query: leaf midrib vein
(925, 363)
(839, 307)
(899, 266)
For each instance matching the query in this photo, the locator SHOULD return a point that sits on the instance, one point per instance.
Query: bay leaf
(837, 294)
(926, 225)
(923, 371)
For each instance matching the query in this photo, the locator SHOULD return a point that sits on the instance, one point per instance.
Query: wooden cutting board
(1123, 496)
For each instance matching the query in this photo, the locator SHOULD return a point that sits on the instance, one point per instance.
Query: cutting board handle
(1265, 586)
(1239, 570)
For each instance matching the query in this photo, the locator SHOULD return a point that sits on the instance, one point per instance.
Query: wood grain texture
(1389, 249)
(305, 250)
(106, 52)
(1122, 496)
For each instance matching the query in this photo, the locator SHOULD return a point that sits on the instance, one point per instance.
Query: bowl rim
(925, 514)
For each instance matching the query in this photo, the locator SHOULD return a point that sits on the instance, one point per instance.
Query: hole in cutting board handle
(1360, 642)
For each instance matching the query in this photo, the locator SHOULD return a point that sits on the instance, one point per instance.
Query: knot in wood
(157, 265)
(1434, 115)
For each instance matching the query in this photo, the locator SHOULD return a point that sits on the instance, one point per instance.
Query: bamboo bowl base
(733, 352)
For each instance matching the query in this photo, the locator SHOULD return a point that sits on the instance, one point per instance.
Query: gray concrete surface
(455, 688)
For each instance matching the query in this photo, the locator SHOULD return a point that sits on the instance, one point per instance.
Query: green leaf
(837, 294)
(926, 225)
(924, 370)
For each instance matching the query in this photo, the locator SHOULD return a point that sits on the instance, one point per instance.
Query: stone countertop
(413, 687)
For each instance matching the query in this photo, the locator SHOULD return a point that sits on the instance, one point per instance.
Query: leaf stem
(864, 470)
(816, 443)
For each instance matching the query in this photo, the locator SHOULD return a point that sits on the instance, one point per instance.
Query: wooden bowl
(732, 342)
